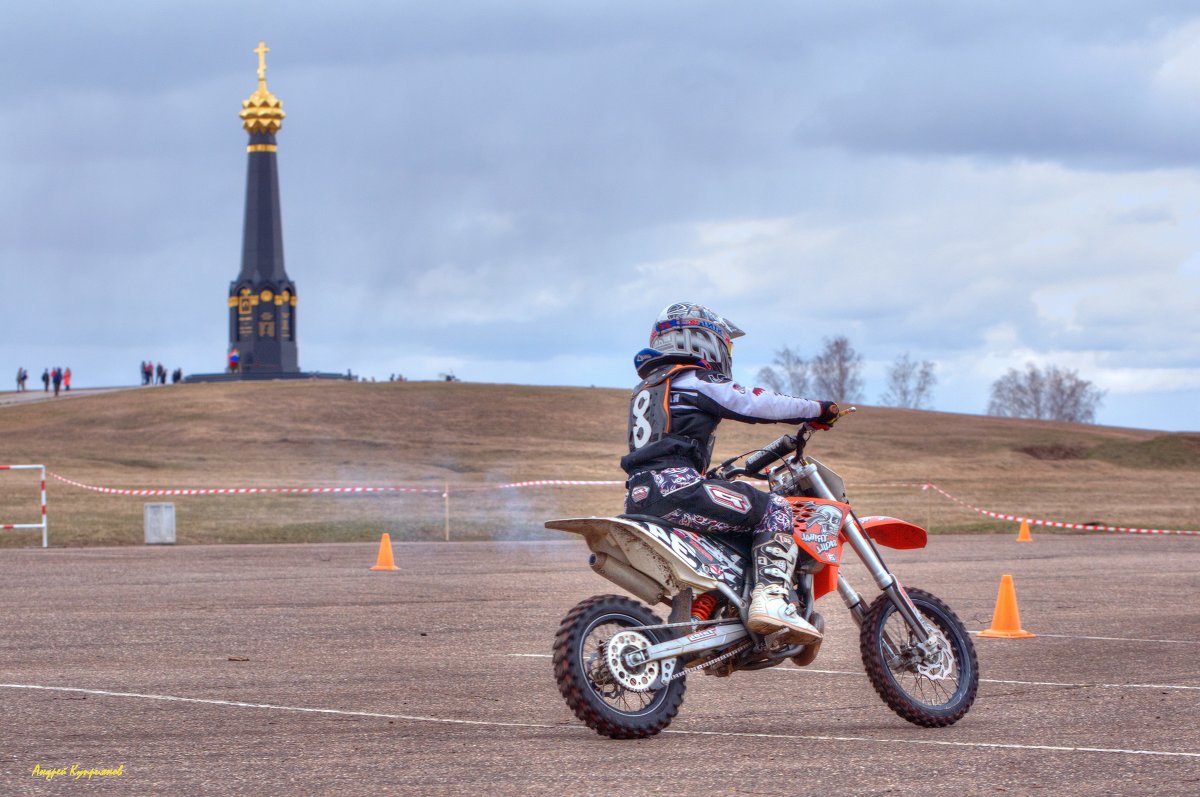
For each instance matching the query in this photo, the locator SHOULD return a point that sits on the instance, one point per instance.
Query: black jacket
(676, 408)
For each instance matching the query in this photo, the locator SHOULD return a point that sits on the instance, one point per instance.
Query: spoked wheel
(612, 697)
(933, 687)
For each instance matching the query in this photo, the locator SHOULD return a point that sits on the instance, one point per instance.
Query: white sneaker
(770, 611)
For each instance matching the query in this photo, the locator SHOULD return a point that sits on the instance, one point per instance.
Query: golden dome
(262, 111)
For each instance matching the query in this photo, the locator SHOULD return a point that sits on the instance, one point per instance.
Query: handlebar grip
(773, 451)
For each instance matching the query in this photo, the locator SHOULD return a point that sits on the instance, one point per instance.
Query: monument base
(260, 376)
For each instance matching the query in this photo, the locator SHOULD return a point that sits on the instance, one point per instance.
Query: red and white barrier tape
(551, 483)
(583, 483)
(245, 490)
(1035, 521)
(325, 490)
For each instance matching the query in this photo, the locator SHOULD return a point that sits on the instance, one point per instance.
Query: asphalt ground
(297, 670)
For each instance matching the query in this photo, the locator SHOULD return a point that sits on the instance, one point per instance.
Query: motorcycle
(622, 670)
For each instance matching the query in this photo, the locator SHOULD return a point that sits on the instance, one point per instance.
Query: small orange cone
(385, 561)
(1023, 534)
(1006, 621)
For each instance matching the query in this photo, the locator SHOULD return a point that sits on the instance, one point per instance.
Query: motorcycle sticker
(725, 564)
(817, 526)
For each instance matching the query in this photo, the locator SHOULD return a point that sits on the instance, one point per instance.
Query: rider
(686, 390)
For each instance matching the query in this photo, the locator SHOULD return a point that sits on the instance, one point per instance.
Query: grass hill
(467, 436)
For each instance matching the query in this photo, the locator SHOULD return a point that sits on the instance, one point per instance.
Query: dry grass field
(469, 436)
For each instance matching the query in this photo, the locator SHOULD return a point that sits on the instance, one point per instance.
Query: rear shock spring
(703, 606)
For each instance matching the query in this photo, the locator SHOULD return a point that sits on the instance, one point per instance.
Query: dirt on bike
(623, 671)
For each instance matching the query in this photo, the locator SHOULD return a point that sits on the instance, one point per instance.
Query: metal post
(45, 533)
(42, 524)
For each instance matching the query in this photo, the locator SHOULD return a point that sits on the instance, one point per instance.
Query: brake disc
(637, 678)
(937, 664)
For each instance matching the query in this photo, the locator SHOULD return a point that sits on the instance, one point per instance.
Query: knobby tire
(903, 701)
(571, 670)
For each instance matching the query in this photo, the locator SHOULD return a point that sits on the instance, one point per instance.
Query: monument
(262, 300)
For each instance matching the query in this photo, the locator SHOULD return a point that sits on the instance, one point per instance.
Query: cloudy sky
(512, 190)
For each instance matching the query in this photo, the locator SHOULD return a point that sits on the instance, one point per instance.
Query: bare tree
(1056, 394)
(790, 374)
(910, 383)
(768, 378)
(837, 371)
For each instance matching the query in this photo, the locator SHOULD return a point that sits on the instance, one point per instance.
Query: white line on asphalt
(981, 680)
(239, 704)
(1123, 639)
(491, 723)
(1093, 685)
(1111, 638)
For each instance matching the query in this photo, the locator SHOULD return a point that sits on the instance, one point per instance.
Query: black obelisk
(262, 300)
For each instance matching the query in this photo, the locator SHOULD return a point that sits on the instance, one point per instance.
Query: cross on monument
(262, 49)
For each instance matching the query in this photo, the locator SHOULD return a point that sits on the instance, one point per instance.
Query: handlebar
(770, 453)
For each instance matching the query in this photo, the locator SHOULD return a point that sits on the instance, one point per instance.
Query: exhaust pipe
(627, 578)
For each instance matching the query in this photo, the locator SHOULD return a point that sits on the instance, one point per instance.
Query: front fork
(869, 554)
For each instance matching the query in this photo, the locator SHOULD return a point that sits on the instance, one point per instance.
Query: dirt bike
(622, 670)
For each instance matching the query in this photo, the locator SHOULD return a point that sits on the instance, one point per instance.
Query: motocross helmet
(687, 331)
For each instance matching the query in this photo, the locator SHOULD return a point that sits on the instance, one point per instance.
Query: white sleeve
(722, 396)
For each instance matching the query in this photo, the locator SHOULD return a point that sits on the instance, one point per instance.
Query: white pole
(446, 501)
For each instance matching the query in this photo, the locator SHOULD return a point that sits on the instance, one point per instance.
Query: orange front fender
(894, 533)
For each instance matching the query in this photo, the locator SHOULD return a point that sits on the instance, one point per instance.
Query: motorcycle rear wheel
(932, 694)
(587, 683)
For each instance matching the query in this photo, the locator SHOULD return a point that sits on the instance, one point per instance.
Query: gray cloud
(514, 190)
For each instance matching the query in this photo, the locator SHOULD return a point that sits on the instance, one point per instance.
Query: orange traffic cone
(384, 560)
(1006, 621)
(1023, 534)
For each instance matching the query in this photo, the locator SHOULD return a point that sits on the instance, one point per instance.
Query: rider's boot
(770, 610)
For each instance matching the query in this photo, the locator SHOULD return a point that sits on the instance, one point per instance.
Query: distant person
(56, 377)
(20, 377)
(176, 376)
(235, 359)
(46, 380)
(67, 379)
(147, 372)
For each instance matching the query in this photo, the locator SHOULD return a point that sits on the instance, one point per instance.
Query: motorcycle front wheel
(933, 689)
(614, 700)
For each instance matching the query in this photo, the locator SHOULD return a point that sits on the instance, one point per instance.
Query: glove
(829, 414)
